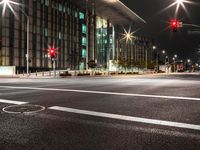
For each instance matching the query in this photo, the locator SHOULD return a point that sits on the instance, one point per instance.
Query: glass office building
(80, 30)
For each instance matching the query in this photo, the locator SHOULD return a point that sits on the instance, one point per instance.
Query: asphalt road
(153, 112)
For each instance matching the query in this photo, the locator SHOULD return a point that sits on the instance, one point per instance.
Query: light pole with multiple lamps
(8, 3)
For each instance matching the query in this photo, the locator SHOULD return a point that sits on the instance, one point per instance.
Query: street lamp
(8, 3)
(128, 35)
(174, 58)
(180, 1)
(166, 63)
(154, 48)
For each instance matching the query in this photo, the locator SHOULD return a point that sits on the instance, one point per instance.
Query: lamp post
(27, 50)
(146, 60)
(8, 3)
(128, 36)
(188, 61)
(174, 58)
(166, 63)
(154, 48)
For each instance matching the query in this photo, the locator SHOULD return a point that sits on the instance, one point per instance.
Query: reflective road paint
(12, 102)
(105, 93)
(127, 118)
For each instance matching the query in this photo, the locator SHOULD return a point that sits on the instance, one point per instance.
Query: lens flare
(8, 3)
(128, 35)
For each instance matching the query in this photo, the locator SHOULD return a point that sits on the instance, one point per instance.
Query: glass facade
(103, 35)
(78, 36)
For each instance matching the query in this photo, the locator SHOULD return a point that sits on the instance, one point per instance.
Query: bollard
(23, 72)
(43, 73)
(36, 73)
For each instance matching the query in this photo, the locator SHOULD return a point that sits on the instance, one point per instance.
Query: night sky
(157, 26)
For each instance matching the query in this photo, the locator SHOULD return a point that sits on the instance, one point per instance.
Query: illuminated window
(60, 35)
(84, 53)
(84, 28)
(47, 2)
(111, 41)
(45, 32)
(60, 7)
(81, 15)
(81, 66)
(76, 15)
(83, 40)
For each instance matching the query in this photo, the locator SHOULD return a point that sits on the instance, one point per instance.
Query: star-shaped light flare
(179, 3)
(128, 35)
(8, 3)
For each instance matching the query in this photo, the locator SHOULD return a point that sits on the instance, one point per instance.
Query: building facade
(79, 30)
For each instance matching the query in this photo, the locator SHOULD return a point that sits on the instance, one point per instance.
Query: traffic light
(174, 25)
(52, 52)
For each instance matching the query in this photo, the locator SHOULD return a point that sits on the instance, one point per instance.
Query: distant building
(80, 30)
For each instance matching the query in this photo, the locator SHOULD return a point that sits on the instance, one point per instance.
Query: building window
(60, 35)
(83, 40)
(111, 41)
(83, 53)
(34, 29)
(81, 15)
(76, 15)
(84, 29)
(60, 7)
(47, 2)
(46, 32)
(81, 66)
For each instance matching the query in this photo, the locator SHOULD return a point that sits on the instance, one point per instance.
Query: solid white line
(127, 118)
(105, 93)
(12, 102)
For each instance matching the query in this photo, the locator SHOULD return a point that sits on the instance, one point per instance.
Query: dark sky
(157, 27)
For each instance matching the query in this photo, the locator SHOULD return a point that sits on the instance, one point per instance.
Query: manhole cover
(24, 109)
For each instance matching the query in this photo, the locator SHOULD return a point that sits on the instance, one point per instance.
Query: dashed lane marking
(126, 118)
(12, 102)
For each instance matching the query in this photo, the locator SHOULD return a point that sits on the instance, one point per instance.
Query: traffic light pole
(27, 50)
(174, 65)
(157, 67)
(146, 59)
(54, 66)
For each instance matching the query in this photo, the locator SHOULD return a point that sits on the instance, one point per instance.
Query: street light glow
(128, 35)
(5, 1)
(111, 1)
(163, 51)
(180, 1)
(8, 3)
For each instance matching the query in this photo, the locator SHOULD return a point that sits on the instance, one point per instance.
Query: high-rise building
(80, 30)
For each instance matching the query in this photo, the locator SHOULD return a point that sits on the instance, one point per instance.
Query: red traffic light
(174, 25)
(52, 52)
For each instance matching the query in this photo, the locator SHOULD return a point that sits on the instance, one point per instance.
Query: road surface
(150, 112)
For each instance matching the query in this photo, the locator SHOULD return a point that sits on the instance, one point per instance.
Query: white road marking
(105, 93)
(127, 118)
(12, 102)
